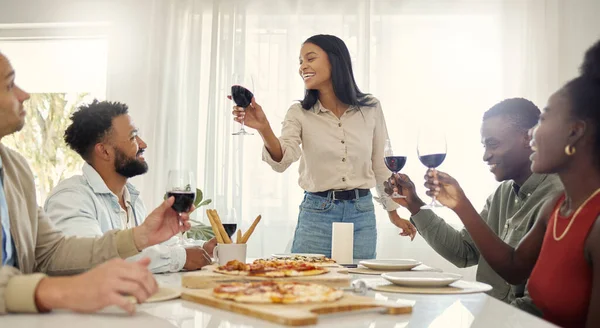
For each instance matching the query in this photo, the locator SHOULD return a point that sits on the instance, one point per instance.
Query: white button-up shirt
(83, 206)
(337, 153)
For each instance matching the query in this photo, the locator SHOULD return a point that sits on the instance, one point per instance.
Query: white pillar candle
(342, 242)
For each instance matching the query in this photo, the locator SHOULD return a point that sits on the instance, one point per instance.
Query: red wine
(230, 228)
(241, 96)
(183, 200)
(395, 163)
(433, 160)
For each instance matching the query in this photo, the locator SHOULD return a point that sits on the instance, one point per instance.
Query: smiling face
(315, 68)
(506, 148)
(12, 113)
(128, 147)
(551, 135)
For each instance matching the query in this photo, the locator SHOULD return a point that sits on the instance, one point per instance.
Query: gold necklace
(573, 218)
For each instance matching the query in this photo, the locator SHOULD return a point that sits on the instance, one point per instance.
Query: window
(60, 74)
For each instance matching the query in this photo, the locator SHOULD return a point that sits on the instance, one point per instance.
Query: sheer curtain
(427, 61)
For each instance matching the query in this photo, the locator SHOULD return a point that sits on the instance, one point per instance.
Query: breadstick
(221, 228)
(213, 221)
(238, 239)
(215, 230)
(250, 230)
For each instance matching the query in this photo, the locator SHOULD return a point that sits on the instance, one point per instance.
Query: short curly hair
(91, 123)
(522, 113)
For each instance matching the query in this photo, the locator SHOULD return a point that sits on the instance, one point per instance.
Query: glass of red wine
(394, 161)
(230, 228)
(229, 221)
(242, 95)
(182, 186)
(431, 148)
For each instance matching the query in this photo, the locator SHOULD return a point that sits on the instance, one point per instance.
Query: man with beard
(32, 248)
(510, 211)
(101, 199)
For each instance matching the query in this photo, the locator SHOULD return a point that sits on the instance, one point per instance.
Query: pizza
(272, 269)
(307, 259)
(296, 261)
(276, 292)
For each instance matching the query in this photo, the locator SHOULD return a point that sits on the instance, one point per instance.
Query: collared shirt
(510, 212)
(337, 153)
(8, 245)
(127, 215)
(84, 206)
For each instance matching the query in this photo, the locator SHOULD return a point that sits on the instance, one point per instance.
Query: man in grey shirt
(510, 211)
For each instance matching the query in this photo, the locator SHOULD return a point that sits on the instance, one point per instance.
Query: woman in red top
(561, 253)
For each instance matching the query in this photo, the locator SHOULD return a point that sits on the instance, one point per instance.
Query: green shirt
(510, 212)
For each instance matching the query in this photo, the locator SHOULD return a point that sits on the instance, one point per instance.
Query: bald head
(5, 67)
(12, 114)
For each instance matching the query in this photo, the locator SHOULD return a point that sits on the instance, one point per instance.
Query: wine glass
(431, 148)
(394, 161)
(242, 95)
(229, 221)
(182, 186)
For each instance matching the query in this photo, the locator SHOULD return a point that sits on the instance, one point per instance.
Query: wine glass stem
(181, 239)
(433, 201)
(243, 125)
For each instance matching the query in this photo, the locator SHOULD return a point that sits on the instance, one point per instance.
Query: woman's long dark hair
(342, 77)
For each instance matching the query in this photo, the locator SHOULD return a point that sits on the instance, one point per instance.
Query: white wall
(579, 28)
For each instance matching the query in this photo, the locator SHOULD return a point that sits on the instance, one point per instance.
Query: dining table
(433, 311)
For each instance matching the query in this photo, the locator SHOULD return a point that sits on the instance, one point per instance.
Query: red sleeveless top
(561, 282)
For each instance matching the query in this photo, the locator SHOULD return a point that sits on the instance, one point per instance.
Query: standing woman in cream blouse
(342, 132)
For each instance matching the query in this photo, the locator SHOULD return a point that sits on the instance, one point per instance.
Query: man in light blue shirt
(8, 246)
(101, 199)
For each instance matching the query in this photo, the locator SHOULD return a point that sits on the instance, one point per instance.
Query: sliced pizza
(319, 261)
(277, 292)
(272, 269)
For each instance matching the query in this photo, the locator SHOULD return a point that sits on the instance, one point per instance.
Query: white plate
(421, 279)
(283, 256)
(163, 294)
(400, 265)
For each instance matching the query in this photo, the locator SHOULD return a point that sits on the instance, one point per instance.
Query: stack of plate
(421, 279)
(390, 265)
(405, 277)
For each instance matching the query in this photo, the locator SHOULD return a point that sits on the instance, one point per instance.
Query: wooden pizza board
(296, 314)
(207, 278)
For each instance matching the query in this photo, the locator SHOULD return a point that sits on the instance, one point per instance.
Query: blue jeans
(317, 215)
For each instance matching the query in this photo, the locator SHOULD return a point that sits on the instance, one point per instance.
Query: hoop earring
(570, 150)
